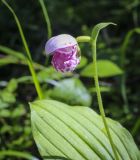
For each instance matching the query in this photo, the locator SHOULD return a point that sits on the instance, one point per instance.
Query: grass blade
(46, 16)
(29, 58)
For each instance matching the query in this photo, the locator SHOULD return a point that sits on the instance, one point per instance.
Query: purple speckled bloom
(64, 49)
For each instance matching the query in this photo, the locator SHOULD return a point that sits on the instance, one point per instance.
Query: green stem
(123, 51)
(29, 58)
(123, 77)
(35, 79)
(46, 16)
(99, 98)
(124, 94)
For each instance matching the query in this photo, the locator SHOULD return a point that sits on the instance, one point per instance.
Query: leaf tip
(115, 24)
(32, 105)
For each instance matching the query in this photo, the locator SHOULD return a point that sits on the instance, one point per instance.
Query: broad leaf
(71, 91)
(106, 68)
(77, 133)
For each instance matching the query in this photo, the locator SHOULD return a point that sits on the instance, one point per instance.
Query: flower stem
(99, 98)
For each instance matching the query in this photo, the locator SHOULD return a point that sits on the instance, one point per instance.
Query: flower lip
(63, 62)
(58, 42)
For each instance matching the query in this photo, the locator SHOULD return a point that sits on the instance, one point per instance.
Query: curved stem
(99, 98)
(123, 51)
(123, 77)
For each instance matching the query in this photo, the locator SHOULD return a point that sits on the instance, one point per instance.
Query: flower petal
(58, 42)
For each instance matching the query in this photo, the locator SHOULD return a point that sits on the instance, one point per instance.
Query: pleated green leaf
(77, 133)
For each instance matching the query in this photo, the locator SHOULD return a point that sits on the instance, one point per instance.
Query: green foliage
(11, 113)
(71, 91)
(7, 95)
(50, 73)
(76, 18)
(83, 62)
(15, 57)
(126, 43)
(106, 68)
(123, 50)
(28, 54)
(95, 32)
(8, 60)
(17, 154)
(12, 52)
(79, 133)
(98, 28)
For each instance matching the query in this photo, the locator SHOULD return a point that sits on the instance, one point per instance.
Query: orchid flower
(64, 49)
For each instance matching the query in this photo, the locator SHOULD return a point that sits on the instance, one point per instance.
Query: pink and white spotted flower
(64, 49)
